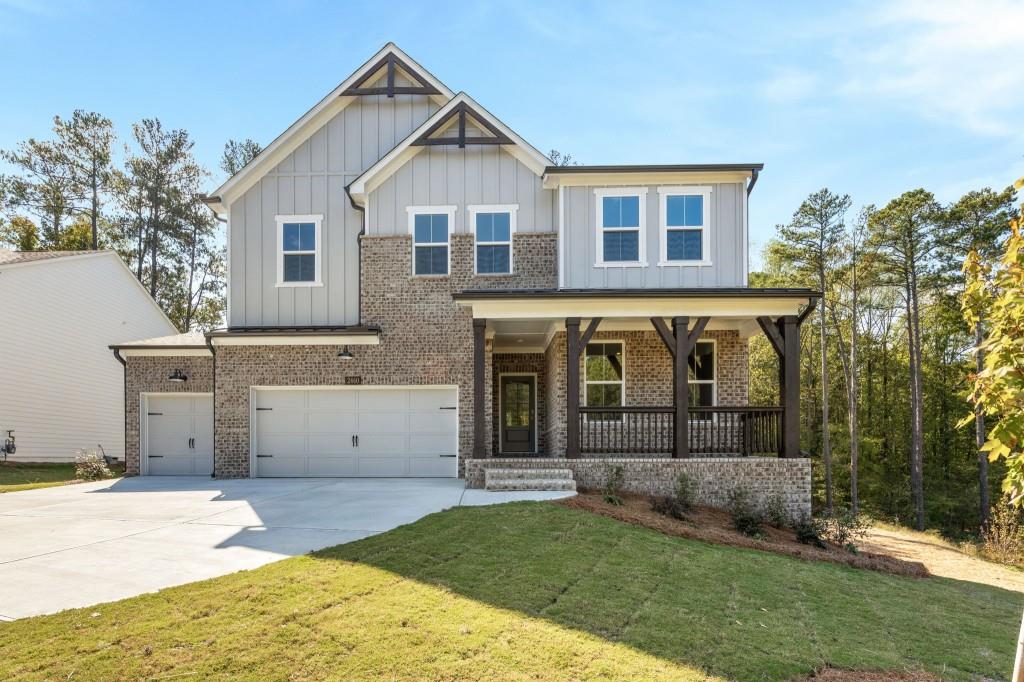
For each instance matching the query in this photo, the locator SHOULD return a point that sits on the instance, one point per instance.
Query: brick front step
(550, 484)
(529, 479)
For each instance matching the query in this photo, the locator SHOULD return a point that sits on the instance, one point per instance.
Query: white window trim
(714, 380)
(705, 238)
(280, 221)
(512, 210)
(621, 382)
(414, 211)
(600, 194)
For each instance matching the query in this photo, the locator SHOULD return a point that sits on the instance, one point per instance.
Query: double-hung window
(298, 250)
(702, 378)
(604, 381)
(430, 227)
(685, 217)
(621, 218)
(493, 228)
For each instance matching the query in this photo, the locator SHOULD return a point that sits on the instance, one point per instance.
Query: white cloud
(951, 60)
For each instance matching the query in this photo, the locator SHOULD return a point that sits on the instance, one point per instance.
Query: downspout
(812, 304)
(209, 346)
(359, 247)
(753, 180)
(124, 392)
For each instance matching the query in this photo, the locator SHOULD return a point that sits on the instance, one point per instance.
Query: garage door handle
(154, 414)
(447, 408)
(446, 455)
(262, 456)
(156, 456)
(264, 409)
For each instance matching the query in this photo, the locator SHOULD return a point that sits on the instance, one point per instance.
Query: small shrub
(680, 502)
(90, 466)
(845, 529)
(615, 477)
(746, 516)
(775, 512)
(1002, 539)
(808, 531)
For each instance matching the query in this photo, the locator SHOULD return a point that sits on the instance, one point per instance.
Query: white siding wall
(60, 386)
(312, 179)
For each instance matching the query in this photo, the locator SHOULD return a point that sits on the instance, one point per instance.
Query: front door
(518, 413)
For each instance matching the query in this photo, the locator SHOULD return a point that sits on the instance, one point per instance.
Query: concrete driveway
(83, 544)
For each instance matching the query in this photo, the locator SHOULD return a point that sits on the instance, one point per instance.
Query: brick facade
(714, 478)
(149, 375)
(425, 339)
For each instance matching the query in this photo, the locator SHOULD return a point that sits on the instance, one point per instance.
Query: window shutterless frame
(599, 382)
(316, 252)
(512, 210)
(664, 193)
(414, 211)
(599, 196)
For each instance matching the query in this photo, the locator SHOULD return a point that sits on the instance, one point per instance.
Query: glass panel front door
(518, 414)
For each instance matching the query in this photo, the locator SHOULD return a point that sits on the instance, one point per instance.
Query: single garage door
(356, 432)
(179, 435)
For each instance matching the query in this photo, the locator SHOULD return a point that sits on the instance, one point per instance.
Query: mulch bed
(715, 526)
(839, 675)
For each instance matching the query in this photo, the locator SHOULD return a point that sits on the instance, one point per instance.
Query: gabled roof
(12, 257)
(388, 57)
(461, 105)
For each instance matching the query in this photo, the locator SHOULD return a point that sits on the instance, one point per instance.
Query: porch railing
(742, 431)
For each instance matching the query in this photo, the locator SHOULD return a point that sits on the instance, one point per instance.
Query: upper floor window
(685, 217)
(493, 228)
(430, 227)
(621, 221)
(298, 250)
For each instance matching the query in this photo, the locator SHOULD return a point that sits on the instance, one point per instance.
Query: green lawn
(15, 476)
(527, 591)
(26, 476)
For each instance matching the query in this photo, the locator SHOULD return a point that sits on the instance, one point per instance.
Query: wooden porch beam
(667, 336)
(479, 362)
(790, 375)
(774, 337)
(694, 334)
(681, 386)
(572, 387)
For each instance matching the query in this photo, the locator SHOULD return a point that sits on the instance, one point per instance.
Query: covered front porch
(658, 374)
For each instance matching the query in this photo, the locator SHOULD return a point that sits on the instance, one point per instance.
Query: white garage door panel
(179, 435)
(400, 432)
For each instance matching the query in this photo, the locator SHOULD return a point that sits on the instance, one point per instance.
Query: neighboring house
(61, 389)
(412, 287)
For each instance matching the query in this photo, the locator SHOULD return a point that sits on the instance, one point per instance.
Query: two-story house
(415, 290)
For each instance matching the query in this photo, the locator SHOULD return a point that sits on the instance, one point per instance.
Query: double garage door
(365, 431)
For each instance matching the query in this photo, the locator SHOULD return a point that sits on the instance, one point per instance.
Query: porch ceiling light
(345, 354)
(178, 377)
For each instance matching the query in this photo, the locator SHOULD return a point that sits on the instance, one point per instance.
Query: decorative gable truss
(457, 118)
(392, 66)
(460, 122)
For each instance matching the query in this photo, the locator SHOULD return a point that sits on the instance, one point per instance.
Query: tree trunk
(851, 400)
(916, 413)
(979, 433)
(95, 206)
(826, 441)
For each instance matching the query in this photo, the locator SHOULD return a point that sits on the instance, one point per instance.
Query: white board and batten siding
(371, 431)
(61, 388)
(727, 245)
(312, 180)
(449, 176)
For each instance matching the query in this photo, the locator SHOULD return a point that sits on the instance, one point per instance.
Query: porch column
(790, 375)
(572, 387)
(479, 410)
(681, 387)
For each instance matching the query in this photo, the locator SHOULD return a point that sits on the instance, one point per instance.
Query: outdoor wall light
(345, 354)
(177, 376)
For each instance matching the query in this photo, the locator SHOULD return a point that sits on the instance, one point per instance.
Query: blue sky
(867, 98)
